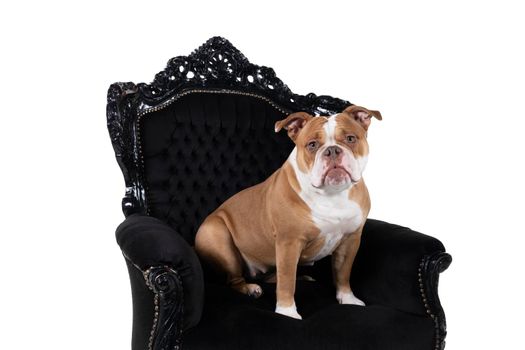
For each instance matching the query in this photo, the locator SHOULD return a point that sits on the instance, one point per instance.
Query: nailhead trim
(427, 307)
(224, 91)
(169, 102)
(156, 313)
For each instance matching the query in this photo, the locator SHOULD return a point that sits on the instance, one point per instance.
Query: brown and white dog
(314, 205)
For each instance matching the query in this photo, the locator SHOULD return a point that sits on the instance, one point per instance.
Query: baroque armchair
(174, 142)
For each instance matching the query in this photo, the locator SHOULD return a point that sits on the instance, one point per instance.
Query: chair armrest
(148, 243)
(400, 268)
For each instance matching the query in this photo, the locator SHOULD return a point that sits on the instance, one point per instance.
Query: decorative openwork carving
(216, 65)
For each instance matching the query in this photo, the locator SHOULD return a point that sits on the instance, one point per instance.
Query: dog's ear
(293, 124)
(362, 115)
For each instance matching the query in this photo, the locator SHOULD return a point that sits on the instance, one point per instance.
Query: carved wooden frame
(166, 284)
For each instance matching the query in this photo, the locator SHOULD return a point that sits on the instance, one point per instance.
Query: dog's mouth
(336, 172)
(336, 175)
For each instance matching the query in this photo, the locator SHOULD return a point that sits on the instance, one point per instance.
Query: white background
(447, 159)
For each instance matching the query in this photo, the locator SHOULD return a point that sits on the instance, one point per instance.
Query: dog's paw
(348, 298)
(290, 311)
(253, 290)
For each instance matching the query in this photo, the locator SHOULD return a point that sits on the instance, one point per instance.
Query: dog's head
(331, 151)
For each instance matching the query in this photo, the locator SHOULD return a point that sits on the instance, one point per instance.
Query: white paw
(254, 290)
(348, 298)
(290, 311)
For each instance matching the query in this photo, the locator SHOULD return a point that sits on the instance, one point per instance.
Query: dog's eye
(312, 145)
(351, 139)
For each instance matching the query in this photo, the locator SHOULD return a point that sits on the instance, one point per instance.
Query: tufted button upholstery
(204, 148)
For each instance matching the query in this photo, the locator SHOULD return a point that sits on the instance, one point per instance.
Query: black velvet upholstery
(203, 149)
(234, 321)
(386, 266)
(146, 241)
(143, 307)
(384, 277)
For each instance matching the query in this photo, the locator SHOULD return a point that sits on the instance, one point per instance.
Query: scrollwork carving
(166, 283)
(429, 270)
(218, 64)
(121, 118)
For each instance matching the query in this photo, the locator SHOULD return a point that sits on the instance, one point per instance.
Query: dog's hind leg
(215, 246)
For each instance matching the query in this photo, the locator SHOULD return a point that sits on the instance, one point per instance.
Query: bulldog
(315, 205)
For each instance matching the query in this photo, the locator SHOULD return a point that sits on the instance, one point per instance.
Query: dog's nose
(332, 152)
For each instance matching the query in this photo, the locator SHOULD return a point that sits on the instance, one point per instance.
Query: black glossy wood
(168, 316)
(431, 267)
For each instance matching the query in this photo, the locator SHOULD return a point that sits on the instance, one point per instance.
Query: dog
(315, 205)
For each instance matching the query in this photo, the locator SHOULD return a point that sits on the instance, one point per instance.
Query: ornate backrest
(200, 132)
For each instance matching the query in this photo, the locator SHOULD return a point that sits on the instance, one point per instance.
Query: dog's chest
(335, 218)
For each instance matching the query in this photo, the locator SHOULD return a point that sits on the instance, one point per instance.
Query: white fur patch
(329, 129)
(348, 298)
(290, 311)
(362, 161)
(335, 216)
(332, 212)
(319, 165)
(254, 290)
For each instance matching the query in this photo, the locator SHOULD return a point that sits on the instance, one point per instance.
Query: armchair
(173, 142)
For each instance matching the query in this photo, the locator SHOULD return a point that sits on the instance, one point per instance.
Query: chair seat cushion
(235, 321)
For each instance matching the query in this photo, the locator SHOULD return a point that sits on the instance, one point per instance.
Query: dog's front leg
(287, 258)
(342, 262)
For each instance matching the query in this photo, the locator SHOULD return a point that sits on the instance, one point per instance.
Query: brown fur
(349, 126)
(256, 235)
(343, 257)
(311, 131)
(269, 225)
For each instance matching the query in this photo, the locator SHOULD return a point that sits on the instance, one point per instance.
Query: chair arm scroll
(388, 262)
(430, 268)
(166, 279)
(166, 284)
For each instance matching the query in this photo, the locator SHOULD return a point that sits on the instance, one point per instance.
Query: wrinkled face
(332, 151)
